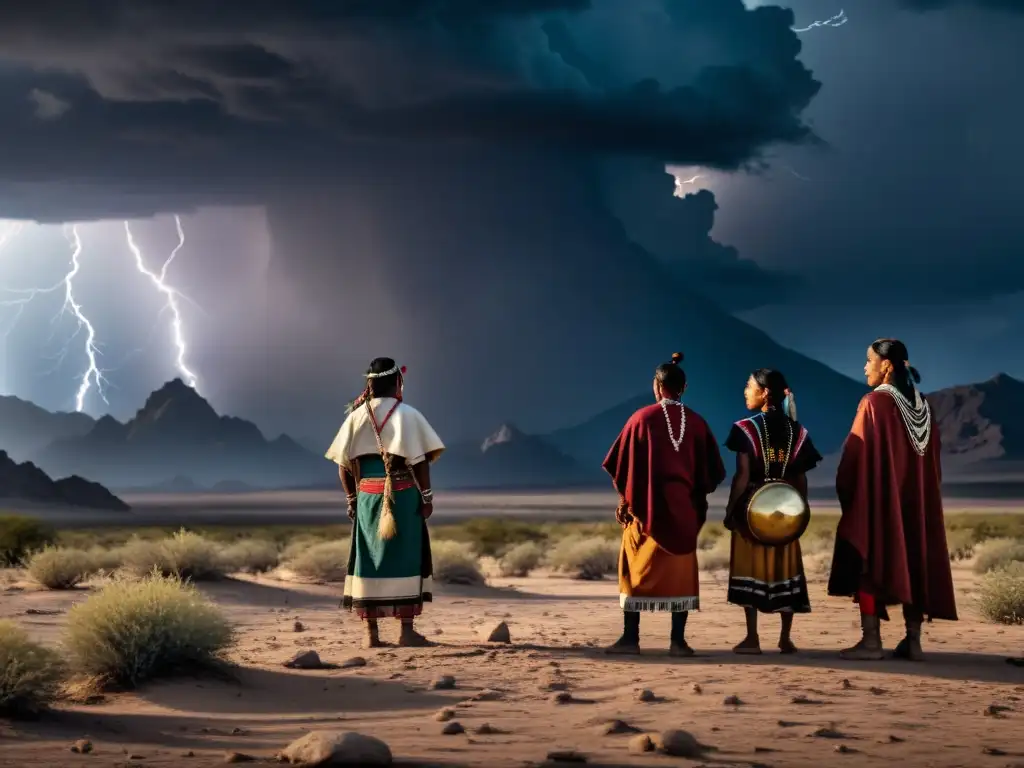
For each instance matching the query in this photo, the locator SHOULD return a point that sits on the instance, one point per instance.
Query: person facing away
(770, 445)
(384, 450)
(891, 542)
(663, 464)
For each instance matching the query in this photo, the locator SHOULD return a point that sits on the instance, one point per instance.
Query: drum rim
(800, 531)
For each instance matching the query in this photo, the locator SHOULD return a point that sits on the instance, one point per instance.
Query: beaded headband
(389, 372)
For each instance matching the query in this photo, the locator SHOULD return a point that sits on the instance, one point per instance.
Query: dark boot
(909, 647)
(629, 643)
(678, 646)
(870, 646)
(410, 638)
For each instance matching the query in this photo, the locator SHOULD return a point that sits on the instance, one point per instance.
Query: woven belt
(400, 481)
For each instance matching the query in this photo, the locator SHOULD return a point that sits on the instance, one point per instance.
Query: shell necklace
(917, 417)
(682, 422)
(766, 443)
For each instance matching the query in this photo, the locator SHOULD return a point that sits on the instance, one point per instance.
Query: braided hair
(904, 376)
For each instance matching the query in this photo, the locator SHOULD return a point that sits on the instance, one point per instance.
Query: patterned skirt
(770, 579)
(651, 579)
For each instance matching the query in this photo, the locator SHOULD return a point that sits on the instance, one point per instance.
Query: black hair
(773, 383)
(382, 386)
(671, 375)
(904, 375)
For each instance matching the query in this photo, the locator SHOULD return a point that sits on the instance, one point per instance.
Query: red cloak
(891, 539)
(666, 490)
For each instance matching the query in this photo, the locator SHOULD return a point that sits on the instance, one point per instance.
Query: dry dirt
(808, 710)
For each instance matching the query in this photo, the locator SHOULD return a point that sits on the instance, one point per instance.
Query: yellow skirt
(770, 579)
(651, 579)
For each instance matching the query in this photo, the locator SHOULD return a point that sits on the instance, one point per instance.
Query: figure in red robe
(891, 543)
(664, 464)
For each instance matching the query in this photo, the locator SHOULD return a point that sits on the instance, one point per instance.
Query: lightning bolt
(93, 374)
(170, 294)
(681, 182)
(833, 21)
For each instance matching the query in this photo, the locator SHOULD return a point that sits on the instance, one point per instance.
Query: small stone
(732, 701)
(804, 701)
(640, 744)
(486, 729)
(238, 757)
(299, 626)
(239, 732)
(443, 683)
(697, 688)
(190, 753)
(555, 684)
(995, 710)
(847, 685)
(561, 697)
(877, 691)
(453, 728)
(994, 751)
(616, 728)
(337, 748)
(133, 756)
(352, 663)
(680, 744)
(82, 747)
(444, 715)
(499, 634)
(305, 660)
(567, 756)
(645, 695)
(828, 733)
(895, 739)
(842, 749)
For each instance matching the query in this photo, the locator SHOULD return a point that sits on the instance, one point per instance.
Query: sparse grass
(60, 567)
(186, 555)
(961, 544)
(250, 556)
(455, 562)
(20, 536)
(585, 557)
(717, 556)
(30, 674)
(133, 631)
(324, 561)
(105, 560)
(521, 559)
(993, 554)
(1001, 594)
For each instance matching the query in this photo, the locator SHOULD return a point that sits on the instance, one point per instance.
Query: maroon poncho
(666, 490)
(891, 540)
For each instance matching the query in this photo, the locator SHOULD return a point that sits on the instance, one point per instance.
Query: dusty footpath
(551, 689)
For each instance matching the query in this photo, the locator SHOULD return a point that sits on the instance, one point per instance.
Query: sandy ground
(931, 713)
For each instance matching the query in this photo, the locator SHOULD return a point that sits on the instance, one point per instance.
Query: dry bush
(820, 542)
(521, 559)
(60, 567)
(133, 631)
(185, 555)
(20, 536)
(321, 561)
(961, 544)
(588, 558)
(1001, 594)
(997, 553)
(717, 556)
(106, 559)
(296, 546)
(455, 562)
(250, 556)
(30, 674)
(709, 534)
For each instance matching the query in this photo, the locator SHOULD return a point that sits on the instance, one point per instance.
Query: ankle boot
(629, 643)
(870, 646)
(909, 647)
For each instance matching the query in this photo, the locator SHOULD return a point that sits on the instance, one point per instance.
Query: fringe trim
(659, 604)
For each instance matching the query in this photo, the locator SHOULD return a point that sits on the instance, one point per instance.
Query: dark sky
(861, 180)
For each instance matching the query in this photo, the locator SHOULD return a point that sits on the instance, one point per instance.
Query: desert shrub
(1001, 594)
(60, 567)
(250, 556)
(521, 559)
(818, 541)
(585, 558)
(133, 631)
(20, 535)
(961, 543)
(709, 534)
(30, 674)
(997, 553)
(321, 561)
(185, 554)
(490, 536)
(106, 559)
(455, 562)
(716, 558)
(296, 546)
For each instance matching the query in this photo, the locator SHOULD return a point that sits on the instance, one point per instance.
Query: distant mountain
(26, 482)
(25, 428)
(981, 425)
(177, 434)
(508, 458)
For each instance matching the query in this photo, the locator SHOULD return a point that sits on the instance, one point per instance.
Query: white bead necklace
(917, 417)
(682, 422)
(766, 443)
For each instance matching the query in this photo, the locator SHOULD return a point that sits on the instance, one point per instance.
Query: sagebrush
(587, 558)
(60, 567)
(324, 561)
(132, 631)
(30, 673)
(1001, 594)
(250, 556)
(997, 553)
(186, 555)
(20, 536)
(521, 559)
(455, 563)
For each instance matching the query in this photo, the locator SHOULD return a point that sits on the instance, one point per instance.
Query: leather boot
(870, 646)
(909, 647)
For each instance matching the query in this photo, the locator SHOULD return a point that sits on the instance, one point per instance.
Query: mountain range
(177, 443)
(26, 482)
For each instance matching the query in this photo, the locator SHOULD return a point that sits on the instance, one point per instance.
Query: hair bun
(677, 357)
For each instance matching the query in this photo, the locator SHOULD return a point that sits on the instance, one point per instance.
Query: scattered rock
(847, 685)
(994, 751)
(454, 728)
(697, 688)
(842, 749)
(645, 695)
(336, 748)
(82, 747)
(732, 701)
(680, 744)
(299, 626)
(443, 683)
(828, 733)
(555, 684)
(561, 697)
(787, 723)
(352, 663)
(305, 660)
(499, 634)
(42, 612)
(878, 691)
(805, 701)
(567, 756)
(617, 728)
(444, 715)
(640, 744)
(239, 732)
(895, 739)
(996, 710)
(488, 694)
(238, 757)
(486, 729)
(133, 756)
